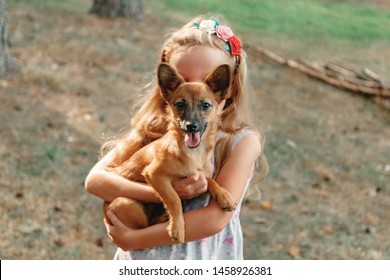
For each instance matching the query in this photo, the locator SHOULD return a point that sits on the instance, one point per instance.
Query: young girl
(211, 233)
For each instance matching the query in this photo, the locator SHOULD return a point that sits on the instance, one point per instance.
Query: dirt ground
(327, 195)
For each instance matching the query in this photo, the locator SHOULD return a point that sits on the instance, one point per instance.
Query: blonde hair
(150, 123)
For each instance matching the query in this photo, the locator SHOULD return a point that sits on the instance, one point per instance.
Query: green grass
(311, 21)
(299, 19)
(74, 6)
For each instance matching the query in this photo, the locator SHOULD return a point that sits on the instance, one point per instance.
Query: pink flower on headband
(235, 45)
(223, 32)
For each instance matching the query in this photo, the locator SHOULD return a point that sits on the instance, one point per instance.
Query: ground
(327, 195)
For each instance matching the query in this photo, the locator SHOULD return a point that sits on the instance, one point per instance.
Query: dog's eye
(180, 106)
(205, 106)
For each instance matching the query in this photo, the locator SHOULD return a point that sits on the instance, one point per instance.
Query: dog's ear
(219, 80)
(168, 79)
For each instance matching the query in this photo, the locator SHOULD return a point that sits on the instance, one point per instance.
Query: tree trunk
(7, 63)
(117, 8)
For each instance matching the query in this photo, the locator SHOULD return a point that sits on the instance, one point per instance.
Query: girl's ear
(219, 80)
(168, 79)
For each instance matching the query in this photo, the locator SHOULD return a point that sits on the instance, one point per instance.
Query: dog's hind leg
(223, 198)
(129, 211)
(172, 203)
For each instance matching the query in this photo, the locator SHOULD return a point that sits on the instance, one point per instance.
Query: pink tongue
(192, 139)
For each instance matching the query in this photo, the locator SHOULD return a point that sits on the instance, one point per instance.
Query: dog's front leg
(223, 198)
(172, 203)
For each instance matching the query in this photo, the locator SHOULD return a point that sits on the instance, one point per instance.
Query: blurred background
(327, 195)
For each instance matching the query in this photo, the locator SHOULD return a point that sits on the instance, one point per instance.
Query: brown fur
(169, 158)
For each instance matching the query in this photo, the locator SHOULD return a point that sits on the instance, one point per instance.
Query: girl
(211, 233)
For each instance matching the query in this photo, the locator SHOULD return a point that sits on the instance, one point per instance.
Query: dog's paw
(176, 232)
(225, 200)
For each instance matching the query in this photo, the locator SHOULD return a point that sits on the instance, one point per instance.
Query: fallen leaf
(4, 83)
(59, 242)
(291, 144)
(371, 218)
(260, 220)
(293, 251)
(376, 255)
(19, 194)
(266, 205)
(99, 242)
(328, 229)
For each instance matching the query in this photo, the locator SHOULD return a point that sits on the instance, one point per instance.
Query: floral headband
(233, 44)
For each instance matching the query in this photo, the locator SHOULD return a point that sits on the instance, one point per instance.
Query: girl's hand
(119, 233)
(191, 187)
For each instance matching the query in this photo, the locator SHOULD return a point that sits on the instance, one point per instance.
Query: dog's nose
(191, 127)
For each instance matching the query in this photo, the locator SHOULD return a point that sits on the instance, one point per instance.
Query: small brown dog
(185, 150)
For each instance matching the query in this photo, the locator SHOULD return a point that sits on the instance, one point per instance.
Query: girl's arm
(200, 223)
(108, 185)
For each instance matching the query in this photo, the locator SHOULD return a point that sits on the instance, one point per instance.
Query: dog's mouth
(192, 139)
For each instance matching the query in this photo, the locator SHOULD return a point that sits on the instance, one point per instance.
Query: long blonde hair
(150, 123)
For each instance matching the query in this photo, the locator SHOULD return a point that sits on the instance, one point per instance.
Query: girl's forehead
(197, 62)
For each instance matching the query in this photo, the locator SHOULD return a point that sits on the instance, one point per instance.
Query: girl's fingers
(191, 187)
(108, 228)
(114, 220)
(192, 179)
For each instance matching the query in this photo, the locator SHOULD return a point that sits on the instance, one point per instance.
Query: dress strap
(241, 134)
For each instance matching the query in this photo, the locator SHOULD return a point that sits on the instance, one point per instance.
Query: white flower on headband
(208, 25)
